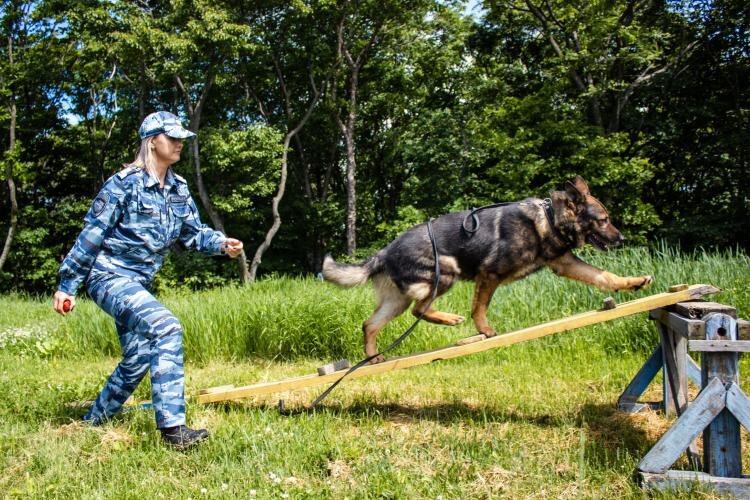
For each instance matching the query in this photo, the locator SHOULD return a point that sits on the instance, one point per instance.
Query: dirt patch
(339, 469)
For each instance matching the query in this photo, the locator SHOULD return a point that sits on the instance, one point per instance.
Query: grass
(534, 420)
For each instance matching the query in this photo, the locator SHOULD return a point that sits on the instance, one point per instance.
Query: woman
(137, 216)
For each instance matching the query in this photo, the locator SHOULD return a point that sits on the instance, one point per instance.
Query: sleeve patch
(100, 203)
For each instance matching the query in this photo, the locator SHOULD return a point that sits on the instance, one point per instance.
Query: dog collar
(549, 211)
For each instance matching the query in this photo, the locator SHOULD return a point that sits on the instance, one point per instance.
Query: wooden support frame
(644, 304)
(681, 329)
(718, 411)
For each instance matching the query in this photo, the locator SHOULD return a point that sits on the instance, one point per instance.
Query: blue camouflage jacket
(131, 225)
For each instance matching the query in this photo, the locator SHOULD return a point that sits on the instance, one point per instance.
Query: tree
(29, 64)
(697, 129)
(200, 52)
(10, 27)
(300, 71)
(607, 50)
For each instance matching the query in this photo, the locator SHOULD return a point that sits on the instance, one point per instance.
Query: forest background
(331, 126)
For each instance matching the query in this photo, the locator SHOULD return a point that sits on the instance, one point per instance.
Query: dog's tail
(348, 275)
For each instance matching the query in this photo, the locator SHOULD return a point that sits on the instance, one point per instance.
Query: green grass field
(535, 420)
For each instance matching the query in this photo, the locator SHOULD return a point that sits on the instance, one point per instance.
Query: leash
(403, 336)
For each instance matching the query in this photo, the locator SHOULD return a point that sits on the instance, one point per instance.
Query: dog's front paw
(643, 282)
(635, 283)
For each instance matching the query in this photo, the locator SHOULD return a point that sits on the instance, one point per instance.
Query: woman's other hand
(63, 303)
(232, 247)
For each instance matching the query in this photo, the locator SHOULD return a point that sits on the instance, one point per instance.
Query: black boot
(182, 437)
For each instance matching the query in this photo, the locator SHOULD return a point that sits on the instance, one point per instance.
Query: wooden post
(721, 439)
(672, 358)
(674, 353)
(628, 400)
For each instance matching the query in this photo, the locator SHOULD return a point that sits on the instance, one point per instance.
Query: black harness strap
(475, 220)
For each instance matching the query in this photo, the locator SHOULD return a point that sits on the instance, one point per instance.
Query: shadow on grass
(608, 431)
(611, 432)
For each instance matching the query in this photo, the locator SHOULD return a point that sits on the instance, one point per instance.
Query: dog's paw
(377, 359)
(644, 282)
(633, 284)
(453, 319)
(489, 332)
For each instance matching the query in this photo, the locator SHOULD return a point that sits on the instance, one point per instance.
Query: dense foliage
(430, 107)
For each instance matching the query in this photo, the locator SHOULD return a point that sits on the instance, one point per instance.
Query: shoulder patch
(100, 203)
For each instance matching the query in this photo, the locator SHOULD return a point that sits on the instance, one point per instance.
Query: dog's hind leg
(391, 303)
(484, 287)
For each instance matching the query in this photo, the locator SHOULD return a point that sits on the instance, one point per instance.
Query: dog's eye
(604, 221)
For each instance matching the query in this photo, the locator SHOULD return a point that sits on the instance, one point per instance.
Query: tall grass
(292, 318)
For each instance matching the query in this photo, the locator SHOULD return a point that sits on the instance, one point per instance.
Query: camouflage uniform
(128, 232)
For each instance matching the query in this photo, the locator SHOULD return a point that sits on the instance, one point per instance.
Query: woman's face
(166, 150)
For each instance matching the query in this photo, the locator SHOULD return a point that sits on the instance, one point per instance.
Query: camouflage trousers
(151, 338)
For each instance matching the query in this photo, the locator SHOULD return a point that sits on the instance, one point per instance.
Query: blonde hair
(144, 158)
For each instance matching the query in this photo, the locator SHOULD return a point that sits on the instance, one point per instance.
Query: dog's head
(582, 218)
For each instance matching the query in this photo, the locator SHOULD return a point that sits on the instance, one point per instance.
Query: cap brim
(179, 133)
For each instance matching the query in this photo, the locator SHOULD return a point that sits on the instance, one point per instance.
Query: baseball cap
(163, 122)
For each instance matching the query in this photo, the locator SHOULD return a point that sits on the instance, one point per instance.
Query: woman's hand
(63, 303)
(232, 247)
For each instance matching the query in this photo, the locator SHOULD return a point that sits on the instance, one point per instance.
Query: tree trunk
(194, 114)
(355, 65)
(9, 170)
(258, 257)
(351, 169)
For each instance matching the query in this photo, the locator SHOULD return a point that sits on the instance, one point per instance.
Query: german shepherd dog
(491, 246)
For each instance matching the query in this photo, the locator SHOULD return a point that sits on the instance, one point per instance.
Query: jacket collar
(151, 181)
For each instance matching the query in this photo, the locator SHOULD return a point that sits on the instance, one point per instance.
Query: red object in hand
(66, 305)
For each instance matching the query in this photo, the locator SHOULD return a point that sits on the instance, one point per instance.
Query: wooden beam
(675, 441)
(697, 310)
(719, 345)
(534, 332)
(743, 329)
(690, 328)
(628, 400)
(674, 480)
(739, 404)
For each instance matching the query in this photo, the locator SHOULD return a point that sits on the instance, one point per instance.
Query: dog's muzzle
(604, 244)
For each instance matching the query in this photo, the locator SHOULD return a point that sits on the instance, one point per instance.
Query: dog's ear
(577, 189)
(562, 206)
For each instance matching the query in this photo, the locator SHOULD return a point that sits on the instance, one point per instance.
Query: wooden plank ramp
(676, 294)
